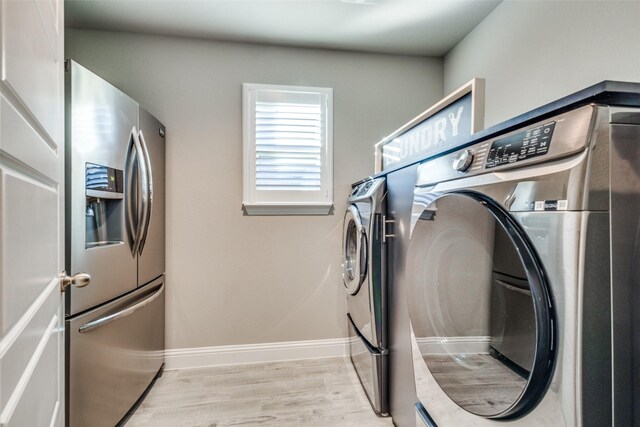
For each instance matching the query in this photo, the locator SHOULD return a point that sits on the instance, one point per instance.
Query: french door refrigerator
(114, 233)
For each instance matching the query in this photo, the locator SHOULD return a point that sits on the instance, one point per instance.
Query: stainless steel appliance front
(363, 260)
(101, 122)
(115, 234)
(115, 352)
(151, 261)
(508, 276)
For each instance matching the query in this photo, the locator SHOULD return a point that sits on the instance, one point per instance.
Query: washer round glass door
(480, 307)
(354, 252)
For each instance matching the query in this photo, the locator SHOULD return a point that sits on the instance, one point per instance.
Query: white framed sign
(440, 128)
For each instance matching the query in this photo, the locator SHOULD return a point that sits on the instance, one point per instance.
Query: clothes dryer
(519, 275)
(363, 261)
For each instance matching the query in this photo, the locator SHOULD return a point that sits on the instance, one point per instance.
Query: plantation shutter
(287, 154)
(288, 138)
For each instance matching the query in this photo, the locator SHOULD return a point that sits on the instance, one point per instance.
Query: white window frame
(291, 202)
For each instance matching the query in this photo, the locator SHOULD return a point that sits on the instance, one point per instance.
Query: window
(287, 149)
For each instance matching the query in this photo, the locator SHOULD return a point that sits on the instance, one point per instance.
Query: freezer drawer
(115, 352)
(370, 364)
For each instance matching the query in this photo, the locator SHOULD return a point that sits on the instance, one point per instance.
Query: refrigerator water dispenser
(104, 204)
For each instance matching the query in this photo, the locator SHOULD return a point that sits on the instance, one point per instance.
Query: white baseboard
(446, 345)
(185, 358)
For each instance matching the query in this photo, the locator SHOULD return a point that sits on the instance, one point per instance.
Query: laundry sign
(442, 127)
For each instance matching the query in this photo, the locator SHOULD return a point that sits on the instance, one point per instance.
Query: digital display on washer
(520, 146)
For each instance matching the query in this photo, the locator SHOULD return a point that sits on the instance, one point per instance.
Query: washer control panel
(463, 160)
(521, 146)
(366, 188)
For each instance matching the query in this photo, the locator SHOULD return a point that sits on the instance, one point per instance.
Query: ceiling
(412, 27)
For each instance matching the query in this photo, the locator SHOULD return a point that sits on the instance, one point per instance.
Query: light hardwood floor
(477, 382)
(319, 392)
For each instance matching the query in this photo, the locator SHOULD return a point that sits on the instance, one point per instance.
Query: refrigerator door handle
(112, 317)
(148, 203)
(132, 207)
(142, 201)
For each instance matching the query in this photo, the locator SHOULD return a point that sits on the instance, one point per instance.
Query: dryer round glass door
(354, 251)
(480, 306)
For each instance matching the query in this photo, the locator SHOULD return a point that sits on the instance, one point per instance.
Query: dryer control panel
(520, 146)
(547, 140)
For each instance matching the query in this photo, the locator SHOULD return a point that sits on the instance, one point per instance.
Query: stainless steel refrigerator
(115, 218)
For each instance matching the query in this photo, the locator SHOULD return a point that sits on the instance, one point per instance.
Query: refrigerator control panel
(103, 178)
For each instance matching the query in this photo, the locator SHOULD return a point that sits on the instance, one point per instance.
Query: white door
(31, 213)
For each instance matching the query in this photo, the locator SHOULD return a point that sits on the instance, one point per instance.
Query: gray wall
(235, 279)
(532, 52)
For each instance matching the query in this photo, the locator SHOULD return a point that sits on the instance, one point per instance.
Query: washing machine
(520, 276)
(363, 261)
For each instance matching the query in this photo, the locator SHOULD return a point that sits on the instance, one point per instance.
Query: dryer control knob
(463, 160)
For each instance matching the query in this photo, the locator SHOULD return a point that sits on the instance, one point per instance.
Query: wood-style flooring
(477, 382)
(318, 392)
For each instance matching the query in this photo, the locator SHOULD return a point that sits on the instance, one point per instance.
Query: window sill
(288, 208)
